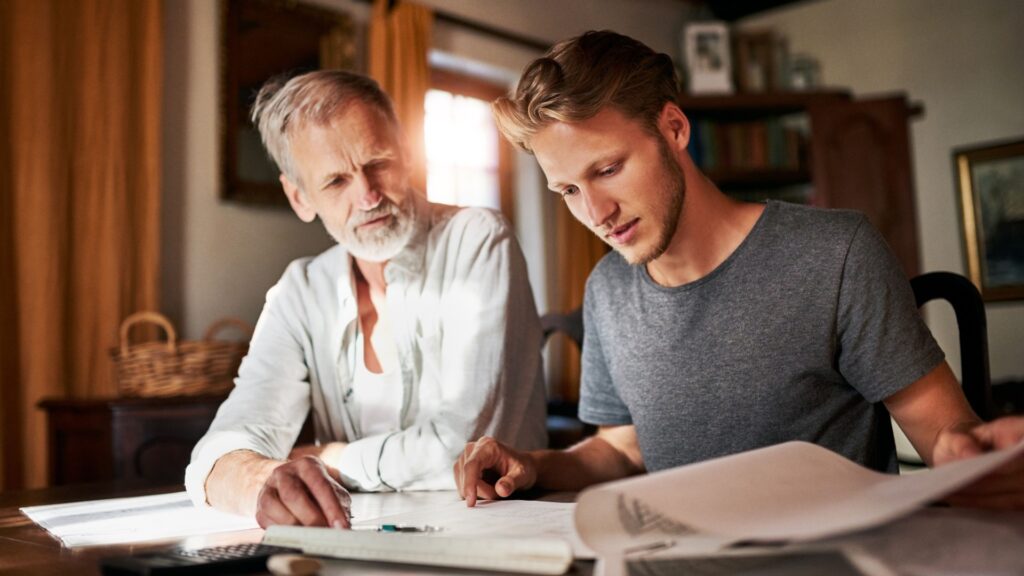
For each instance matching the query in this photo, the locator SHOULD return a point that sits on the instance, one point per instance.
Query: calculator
(233, 559)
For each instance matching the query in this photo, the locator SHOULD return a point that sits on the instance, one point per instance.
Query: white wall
(220, 258)
(962, 60)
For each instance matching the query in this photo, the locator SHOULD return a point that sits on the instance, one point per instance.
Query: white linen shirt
(468, 342)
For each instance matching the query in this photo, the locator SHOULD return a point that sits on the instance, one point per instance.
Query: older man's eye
(337, 182)
(609, 170)
(569, 191)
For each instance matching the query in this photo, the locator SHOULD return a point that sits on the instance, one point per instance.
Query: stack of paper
(126, 520)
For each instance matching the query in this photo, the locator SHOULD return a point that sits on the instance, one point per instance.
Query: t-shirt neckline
(770, 207)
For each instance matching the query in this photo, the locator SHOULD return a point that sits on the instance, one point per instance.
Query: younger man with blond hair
(717, 326)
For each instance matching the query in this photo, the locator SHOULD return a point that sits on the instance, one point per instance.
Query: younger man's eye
(609, 170)
(569, 191)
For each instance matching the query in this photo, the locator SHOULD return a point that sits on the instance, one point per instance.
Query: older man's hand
(304, 491)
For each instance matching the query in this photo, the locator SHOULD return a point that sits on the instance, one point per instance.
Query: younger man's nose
(598, 208)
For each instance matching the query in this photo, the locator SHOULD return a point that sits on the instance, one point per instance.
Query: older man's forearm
(236, 479)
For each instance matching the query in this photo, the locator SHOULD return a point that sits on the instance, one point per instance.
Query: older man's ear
(298, 200)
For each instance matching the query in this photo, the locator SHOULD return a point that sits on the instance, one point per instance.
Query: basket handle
(228, 322)
(152, 317)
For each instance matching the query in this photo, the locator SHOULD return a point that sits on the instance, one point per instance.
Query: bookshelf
(824, 148)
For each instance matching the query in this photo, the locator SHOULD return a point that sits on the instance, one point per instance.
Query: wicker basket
(174, 368)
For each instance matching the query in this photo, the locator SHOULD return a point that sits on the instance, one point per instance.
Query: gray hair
(315, 97)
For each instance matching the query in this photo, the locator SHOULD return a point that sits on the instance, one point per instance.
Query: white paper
(533, 555)
(509, 519)
(788, 492)
(127, 520)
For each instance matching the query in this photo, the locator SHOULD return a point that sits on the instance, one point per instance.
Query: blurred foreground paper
(789, 492)
(125, 520)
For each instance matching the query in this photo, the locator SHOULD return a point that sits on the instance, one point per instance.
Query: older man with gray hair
(415, 334)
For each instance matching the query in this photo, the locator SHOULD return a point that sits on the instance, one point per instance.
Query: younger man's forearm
(590, 462)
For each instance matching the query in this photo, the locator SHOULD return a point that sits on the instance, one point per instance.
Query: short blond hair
(578, 77)
(285, 104)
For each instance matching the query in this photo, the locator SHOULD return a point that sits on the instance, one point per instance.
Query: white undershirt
(378, 397)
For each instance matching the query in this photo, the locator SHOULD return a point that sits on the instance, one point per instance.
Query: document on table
(496, 518)
(789, 492)
(126, 520)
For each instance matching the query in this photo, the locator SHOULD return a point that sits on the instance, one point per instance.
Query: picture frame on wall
(708, 58)
(262, 39)
(990, 181)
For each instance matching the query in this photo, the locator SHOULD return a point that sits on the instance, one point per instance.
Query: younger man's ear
(300, 204)
(674, 126)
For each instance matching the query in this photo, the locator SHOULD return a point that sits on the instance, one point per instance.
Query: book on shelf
(771, 144)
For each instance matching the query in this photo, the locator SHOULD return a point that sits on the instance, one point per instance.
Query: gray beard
(382, 243)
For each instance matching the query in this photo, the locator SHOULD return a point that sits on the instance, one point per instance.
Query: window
(467, 160)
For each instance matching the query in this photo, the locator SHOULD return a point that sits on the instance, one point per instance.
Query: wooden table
(26, 548)
(942, 540)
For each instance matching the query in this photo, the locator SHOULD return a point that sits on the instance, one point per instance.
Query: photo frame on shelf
(803, 73)
(990, 181)
(708, 58)
(759, 58)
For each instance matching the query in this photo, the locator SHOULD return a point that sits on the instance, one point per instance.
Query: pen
(397, 528)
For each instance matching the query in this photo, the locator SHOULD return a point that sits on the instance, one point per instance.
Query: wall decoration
(262, 39)
(708, 59)
(991, 188)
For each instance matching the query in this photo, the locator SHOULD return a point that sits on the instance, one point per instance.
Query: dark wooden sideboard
(147, 440)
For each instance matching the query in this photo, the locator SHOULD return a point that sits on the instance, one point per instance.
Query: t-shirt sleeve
(884, 345)
(600, 403)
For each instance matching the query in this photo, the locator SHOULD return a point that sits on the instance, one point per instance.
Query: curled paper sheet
(789, 492)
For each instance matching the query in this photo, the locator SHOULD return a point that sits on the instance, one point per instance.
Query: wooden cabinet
(146, 440)
(823, 148)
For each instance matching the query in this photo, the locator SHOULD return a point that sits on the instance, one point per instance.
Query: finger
(1003, 433)
(515, 479)
(956, 446)
(297, 498)
(332, 498)
(271, 511)
(484, 491)
(459, 468)
(483, 457)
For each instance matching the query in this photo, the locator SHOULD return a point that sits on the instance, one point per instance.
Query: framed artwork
(262, 39)
(991, 188)
(708, 59)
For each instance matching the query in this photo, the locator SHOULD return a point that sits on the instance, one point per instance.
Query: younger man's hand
(516, 471)
(306, 492)
(1001, 489)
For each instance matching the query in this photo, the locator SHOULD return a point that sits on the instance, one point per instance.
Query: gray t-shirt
(798, 335)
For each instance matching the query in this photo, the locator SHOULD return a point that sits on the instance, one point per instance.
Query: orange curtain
(80, 191)
(578, 252)
(399, 40)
